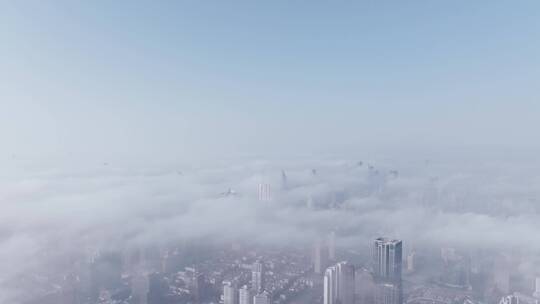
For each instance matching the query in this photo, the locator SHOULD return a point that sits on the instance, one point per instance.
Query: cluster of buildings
(290, 276)
(277, 279)
(247, 295)
(340, 282)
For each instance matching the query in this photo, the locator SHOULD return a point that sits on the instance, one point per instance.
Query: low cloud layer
(49, 213)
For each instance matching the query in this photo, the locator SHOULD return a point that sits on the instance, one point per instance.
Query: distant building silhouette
(320, 257)
(264, 192)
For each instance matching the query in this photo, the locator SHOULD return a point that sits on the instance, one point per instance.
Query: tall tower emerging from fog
(387, 258)
(330, 288)
(263, 192)
(345, 285)
(339, 284)
(387, 261)
(320, 257)
(536, 293)
(411, 258)
(332, 246)
(257, 276)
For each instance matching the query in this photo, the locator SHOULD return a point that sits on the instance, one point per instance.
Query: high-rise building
(501, 274)
(244, 296)
(330, 288)
(257, 276)
(345, 284)
(339, 284)
(197, 286)
(320, 257)
(332, 246)
(264, 192)
(411, 258)
(387, 258)
(230, 293)
(261, 298)
(536, 293)
(456, 270)
(387, 264)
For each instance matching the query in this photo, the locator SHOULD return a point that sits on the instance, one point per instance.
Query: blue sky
(185, 78)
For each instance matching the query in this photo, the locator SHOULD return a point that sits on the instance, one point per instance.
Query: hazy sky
(186, 78)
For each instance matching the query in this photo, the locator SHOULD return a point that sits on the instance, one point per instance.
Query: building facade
(257, 276)
(387, 268)
(339, 284)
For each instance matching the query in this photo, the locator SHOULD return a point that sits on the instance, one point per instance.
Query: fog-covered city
(181, 152)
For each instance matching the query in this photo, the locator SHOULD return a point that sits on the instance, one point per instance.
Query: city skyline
(281, 152)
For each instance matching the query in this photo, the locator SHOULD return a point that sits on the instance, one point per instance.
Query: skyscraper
(329, 282)
(411, 258)
(345, 283)
(244, 296)
(387, 263)
(332, 246)
(264, 192)
(197, 286)
(230, 294)
(320, 257)
(387, 258)
(536, 293)
(257, 276)
(339, 284)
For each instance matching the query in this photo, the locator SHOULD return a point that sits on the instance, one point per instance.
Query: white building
(339, 284)
(536, 293)
(330, 288)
